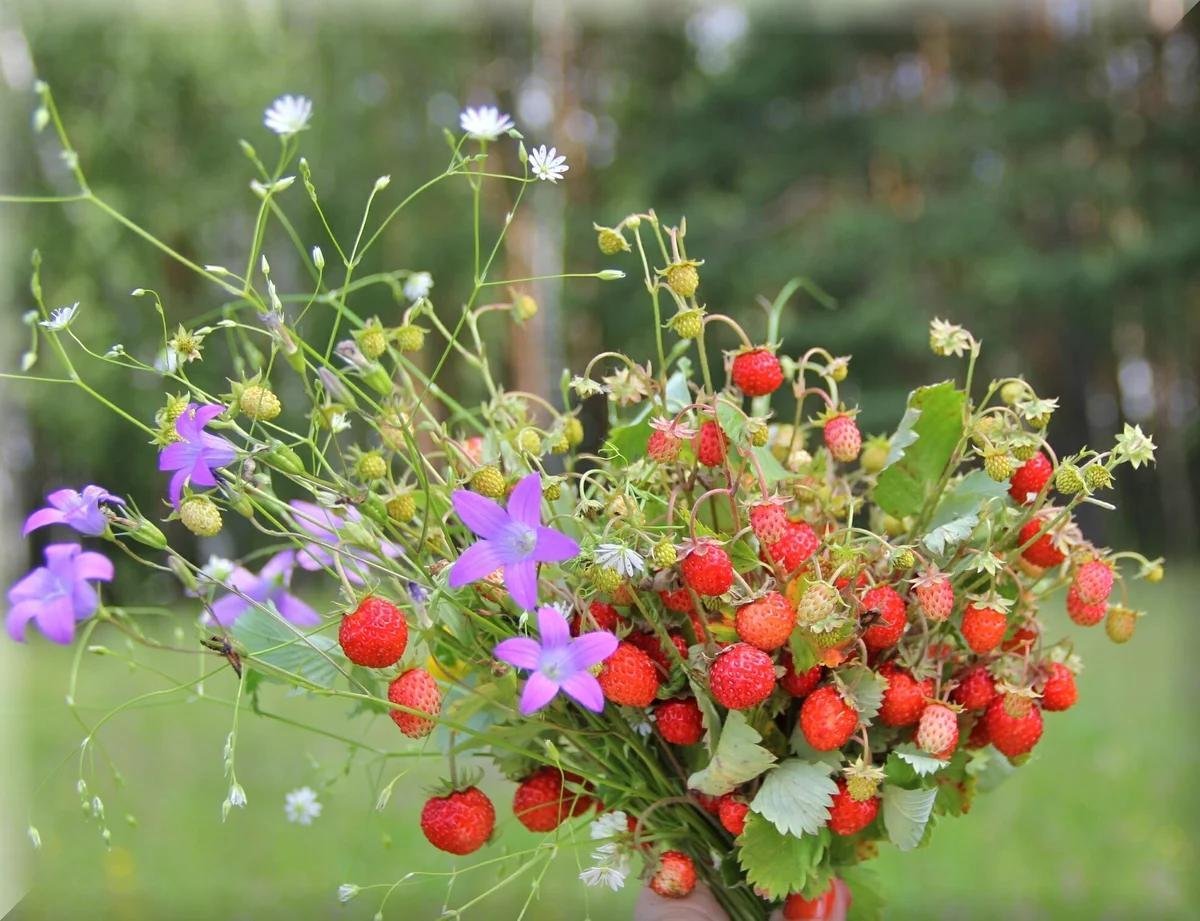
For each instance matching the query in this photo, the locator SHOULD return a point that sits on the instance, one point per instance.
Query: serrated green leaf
(731, 419)
(805, 752)
(864, 689)
(795, 797)
(920, 761)
(804, 656)
(935, 417)
(743, 557)
(866, 899)
(773, 471)
(905, 814)
(989, 768)
(775, 863)
(738, 758)
(958, 511)
(265, 636)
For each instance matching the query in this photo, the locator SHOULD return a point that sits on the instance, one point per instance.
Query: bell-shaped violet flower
(197, 453)
(323, 525)
(271, 585)
(78, 510)
(58, 594)
(558, 663)
(513, 540)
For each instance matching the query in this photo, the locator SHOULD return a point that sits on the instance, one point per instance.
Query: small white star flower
(418, 285)
(609, 825)
(347, 891)
(288, 115)
(485, 123)
(547, 164)
(301, 806)
(625, 561)
(61, 318)
(218, 568)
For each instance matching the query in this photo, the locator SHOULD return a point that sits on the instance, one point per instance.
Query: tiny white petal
(547, 165)
(288, 115)
(485, 123)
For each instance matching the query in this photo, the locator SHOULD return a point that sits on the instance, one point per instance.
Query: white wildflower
(301, 806)
(288, 115)
(485, 123)
(418, 285)
(61, 318)
(626, 562)
(546, 164)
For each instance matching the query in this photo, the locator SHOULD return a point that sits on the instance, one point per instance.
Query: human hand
(702, 906)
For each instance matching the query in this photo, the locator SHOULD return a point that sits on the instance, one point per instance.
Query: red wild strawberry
(1059, 691)
(769, 521)
(1042, 551)
(542, 802)
(459, 823)
(843, 438)
(678, 600)
(1014, 726)
(679, 721)
(798, 908)
(889, 620)
(756, 372)
(675, 877)
(935, 595)
(651, 645)
(741, 677)
(628, 677)
(1093, 582)
(416, 690)
(979, 737)
(710, 444)
(663, 447)
(710, 804)
(792, 551)
(904, 698)
(847, 816)
(1030, 478)
(802, 684)
(1023, 639)
(766, 623)
(600, 614)
(826, 720)
(983, 628)
(706, 569)
(732, 813)
(937, 731)
(374, 634)
(1086, 615)
(975, 689)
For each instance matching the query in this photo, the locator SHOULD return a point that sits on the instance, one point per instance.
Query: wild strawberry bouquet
(738, 643)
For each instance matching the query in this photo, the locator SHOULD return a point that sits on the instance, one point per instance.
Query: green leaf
(866, 902)
(989, 768)
(935, 418)
(738, 758)
(775, 863)
(772, 470)
(743, 557)
(805, 752)
(267, 637)
(864, 691)
(628, 441)
(795, 797)
(920, 761)
(958, 511)
(905, 813)
(804, 656)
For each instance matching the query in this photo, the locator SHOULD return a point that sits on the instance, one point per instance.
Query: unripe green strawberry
(573, 430)
(875, 454)
(998, 464)
(409, 338)
(904, 559)
(371, 466)
(1121, 624)
(1154, 573)
(688, 324)
(201, 516)
(529, 441)
(552, 491)
(664, 553)
(682, 277)
(373, 342)
(258, 402)
(1097, 477)
(758, 432)
(1068, 480)
(402, 508)
(604, 579)
(525, 307)
(831, 639)
(610, 241)
(862, 780)
(1013, 392)
(817, 603)
(1025, 450)
(488, 481)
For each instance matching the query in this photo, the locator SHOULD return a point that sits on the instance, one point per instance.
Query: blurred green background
(1029, 171)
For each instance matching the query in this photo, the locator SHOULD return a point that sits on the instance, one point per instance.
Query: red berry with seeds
(1086, 615)
(826, 720)
(799, 684)
(769, 521)
(935, 595)
(459, 823)
(374, 634)
(884, 610)
(975, 690)
(799, 542)
(756, 372)
(663, 447)
(1030, 478)
(675, 877)
(416, 690)
(842, 438)
(983, 628)
(1014, 726)
(651, 645)
(798, 908)
(1059, 691)
(710, 443)
(1042, 551)
(1093, 582)
(678, 600)
(937, 730)
(904, 698)
(741, 677)
(628, 677)
(732, 813)
(707, 570)
(679, 721)
(848, 816)
(542, 802)
(766, 623)
(601, 616)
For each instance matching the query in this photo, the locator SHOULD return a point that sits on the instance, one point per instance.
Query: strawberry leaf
(905, 814)
(778, 864)
(738, 758)
(266, 636)
(863, 689)
(795, 797)
(958, 511)
(921, 448)
(866, 901)
(989, 768)
(921, 762)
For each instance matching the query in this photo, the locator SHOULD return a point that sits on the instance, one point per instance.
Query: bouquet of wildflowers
(744, 646)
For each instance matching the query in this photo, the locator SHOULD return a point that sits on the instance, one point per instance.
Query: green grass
(1099, 824)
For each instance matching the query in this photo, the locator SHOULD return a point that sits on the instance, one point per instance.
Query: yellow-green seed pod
(371, 466)
(258, 402)
(201, 516)
(525, 307)
(488, 481)
(402, 508)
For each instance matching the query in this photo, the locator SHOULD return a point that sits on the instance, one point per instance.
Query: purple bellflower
(197, 453)
(78, 510)
(58, 594)
(323, 525)
(558, 662)
(513, 540)
(272, 584)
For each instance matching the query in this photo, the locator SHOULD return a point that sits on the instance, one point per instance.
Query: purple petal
(295, 610)
(175, 456)
(56, 619)
(228, 608)
(313, 558)
(95, 493)
(205, 413)
(84, 600)
(279, 566)
(175, 492)
(201, 474)
(34, 586)
(553, 629)
(19, 616)
(479, 560)
(590, 648)
(217, 451)
(525, 503)
(90, 565)
(483, 516)
(319, 522)
(554, 546)
(583, 688)
(539, 691)
(41, 518)
(521, 581)
(519, 651)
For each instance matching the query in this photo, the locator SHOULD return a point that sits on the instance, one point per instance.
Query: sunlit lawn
(1100, 825)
